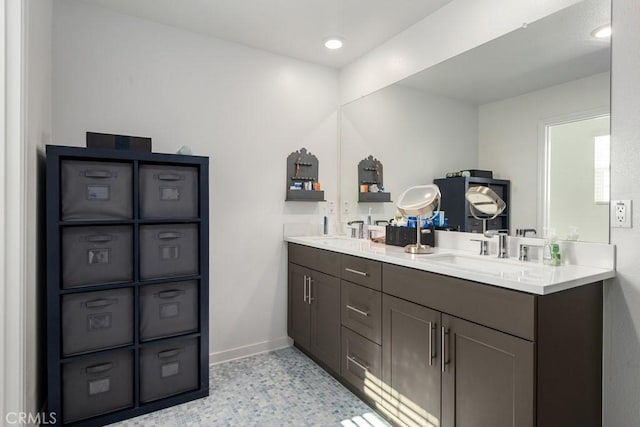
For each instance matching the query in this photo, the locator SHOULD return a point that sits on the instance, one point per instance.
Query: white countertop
(531, 277)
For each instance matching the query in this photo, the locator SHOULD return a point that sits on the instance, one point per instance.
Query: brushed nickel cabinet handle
(309, 298)
(357, 363)
(432, 326)
(357, 310)
(443, 344)
(361, 273)
(304, 284)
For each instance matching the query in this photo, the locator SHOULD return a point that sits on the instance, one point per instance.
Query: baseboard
(249, 350)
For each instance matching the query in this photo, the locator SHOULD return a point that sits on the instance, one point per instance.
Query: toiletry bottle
(551, 250)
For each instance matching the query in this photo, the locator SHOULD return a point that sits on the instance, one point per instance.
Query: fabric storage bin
(168, 250)
(167, 369)
(168, 309)
(96, 320)
(96, 190)
(95, 385)
(168, 191)
(97, 254)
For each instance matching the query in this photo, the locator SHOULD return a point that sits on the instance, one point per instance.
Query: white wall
(511, 134)
(247, 109)
(416, 135)
(572, 178)
(37, 134)
(622, 296)
(455, 28)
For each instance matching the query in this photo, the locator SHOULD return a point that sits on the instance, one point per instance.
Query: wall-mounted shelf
(370, 173)
(302, 169)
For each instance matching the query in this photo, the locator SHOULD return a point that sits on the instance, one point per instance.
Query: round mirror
(420, 200)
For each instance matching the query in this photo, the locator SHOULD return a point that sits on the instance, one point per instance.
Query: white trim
(544, 159)
(12, 209)
(249, 350)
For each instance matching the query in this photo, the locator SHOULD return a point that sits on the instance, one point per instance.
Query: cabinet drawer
(502, 309)
(317, 259)
(362, 310)
(362, 271)
(96, 320)
(361, 364)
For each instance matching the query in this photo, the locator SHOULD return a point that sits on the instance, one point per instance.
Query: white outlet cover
(621, 213)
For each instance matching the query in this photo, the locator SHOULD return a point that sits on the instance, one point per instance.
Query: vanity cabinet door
(488, 377)
(410, 362)
(299, 309)
(324, 298)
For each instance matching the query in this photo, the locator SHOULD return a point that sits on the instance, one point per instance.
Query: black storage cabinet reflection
(121, 343)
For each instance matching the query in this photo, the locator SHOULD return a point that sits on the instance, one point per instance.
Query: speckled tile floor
(279, 388)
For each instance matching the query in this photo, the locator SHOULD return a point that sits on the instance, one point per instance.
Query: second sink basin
(481, 265)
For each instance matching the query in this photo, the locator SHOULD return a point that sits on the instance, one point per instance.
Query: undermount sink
(482, 265)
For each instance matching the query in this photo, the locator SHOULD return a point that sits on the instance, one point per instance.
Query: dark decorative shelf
(370, 173)
(302, 168)
(378, 197)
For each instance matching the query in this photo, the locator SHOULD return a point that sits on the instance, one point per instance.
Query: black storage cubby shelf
(127, 283)
(370, 173)
(456, 207)
(303, 168)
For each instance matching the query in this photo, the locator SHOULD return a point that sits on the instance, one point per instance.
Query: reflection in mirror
(489, 109)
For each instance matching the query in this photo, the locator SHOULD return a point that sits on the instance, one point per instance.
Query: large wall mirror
(532, 106)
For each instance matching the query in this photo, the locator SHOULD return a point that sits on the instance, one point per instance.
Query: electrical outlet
(331, 207)
(346, 207)
(621, 213)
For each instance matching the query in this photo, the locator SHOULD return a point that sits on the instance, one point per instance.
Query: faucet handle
(484, 246)
(524, 251)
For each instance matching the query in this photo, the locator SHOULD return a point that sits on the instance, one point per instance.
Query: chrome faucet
(360, 228)
(484, 246)
(503, 249)
(522, 232)
(524, 251)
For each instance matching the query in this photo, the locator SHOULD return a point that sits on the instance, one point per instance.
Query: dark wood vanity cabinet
(428, 349)
(487, 376)
(314, 306)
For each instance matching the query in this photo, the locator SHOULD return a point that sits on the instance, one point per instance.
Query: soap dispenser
(551, 250)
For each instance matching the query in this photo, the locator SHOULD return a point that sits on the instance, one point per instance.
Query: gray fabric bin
(168, 191)
(96, 190)
(167, 369)
(97, 254)
(168, 250)
(168, 309)
(96, 320)
(96, 385)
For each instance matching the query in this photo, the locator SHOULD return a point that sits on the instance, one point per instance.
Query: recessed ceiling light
(602, 32)
(333, 43)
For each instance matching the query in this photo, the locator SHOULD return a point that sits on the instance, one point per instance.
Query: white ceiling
(556, 49)
(295, 28)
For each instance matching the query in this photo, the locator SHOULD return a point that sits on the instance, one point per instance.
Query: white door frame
(12, 210)
(544, 157)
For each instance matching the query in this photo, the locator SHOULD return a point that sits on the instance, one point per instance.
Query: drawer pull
(167, 235)
(169, 177)
(99, 238)
(357, 310)
(357, 363)
(102, 302)
(98, 174)
(96, 369)
(168, 353)
(170, 294)
(360, 273)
